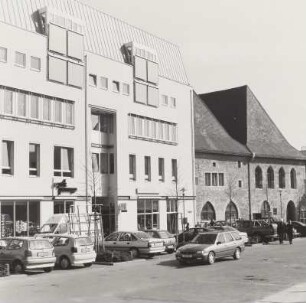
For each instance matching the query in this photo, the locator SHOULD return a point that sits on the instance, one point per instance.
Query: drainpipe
(86, 135)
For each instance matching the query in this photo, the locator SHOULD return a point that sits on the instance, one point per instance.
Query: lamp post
(281, 202)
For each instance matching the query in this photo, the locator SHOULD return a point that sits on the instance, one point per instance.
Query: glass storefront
(19, 218)
(172, 216)
(147, 214)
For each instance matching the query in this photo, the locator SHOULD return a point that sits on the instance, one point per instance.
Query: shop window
(3, 54)
(21, 105)
(34, 159)
(34, 107)
(7, 157)
(147, 214)
(147, 165)
(172, 216)
(20, 59)
(231, 213)
(161, 169)
(8, 102)
(208, 212)
(63, 162)
(63, 207)
(35, 64)
(132, 167)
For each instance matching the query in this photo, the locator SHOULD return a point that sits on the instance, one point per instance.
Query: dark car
(300, 228)
(189, 234)
(209, 246)
(169, 239)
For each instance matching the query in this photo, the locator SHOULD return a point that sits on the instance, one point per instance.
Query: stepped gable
(104, 34)
(245, 119)
(210, 136)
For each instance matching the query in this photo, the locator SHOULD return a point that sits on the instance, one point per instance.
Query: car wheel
(134, 252)
(237, 254)
(170, 251)
(64, 263)
(211, 258)
(17, 267)
(48, 269)
(87, 264)
(256, 238)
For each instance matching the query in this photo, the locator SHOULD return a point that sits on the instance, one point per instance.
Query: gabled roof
(244, 118)
(210, 136)
(104, 34)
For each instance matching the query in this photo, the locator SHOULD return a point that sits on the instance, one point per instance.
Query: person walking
(281, 230)
(290, 231)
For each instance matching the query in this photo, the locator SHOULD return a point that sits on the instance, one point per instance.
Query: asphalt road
(262, 271)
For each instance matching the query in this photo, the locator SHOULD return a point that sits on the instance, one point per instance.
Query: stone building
(263, 174)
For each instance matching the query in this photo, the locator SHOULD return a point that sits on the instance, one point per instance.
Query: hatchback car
(242, 234)
(27, 253)
(209, 246)
(137, 242)
(168, 239)
(187, 235)
(71, 250)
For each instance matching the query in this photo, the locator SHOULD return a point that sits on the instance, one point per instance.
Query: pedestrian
(187, 226)
(281, 230)
(290, 231)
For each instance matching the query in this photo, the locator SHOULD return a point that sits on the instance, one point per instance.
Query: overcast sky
(229, 43)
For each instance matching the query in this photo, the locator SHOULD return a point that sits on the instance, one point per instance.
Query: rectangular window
(34, 161)
(207, 179)
(58, 111)
(132, 167)
(139, 126)
(75, 75)
(172, 102)
(146, 128)
(154, 133)
(57, 39)
(214, 179)
(125, 89)
(111, 163)
(47, 109)
(21, 105)
(173, 130)
(221, 179)
(103, 82)
(141, 93)
(174, 169)
(148, 214)
(20, 59)
(57, 70)
(69, 113)
(34, 107)
(92, 79)
(35, 64)
(104, 163)
(132, 125)
(147, 168)
(8, 102)
(140, 68)
(160, 130)
(161, 169)
(116, 87)
(167, 131)
(75, 45)
(106, 123)
(3, 54)
(63, 162)
(7, 157)
(164, 100)
(153, 96)
(152, 72)
(95, 162)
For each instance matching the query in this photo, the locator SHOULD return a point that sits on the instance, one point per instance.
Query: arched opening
(293, 178)
(208, 212)
(270, 177)
(281, 178)
(231, 213)
(258, 177)
(291, 211)
(265, 210)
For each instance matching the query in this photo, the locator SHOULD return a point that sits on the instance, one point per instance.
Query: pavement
(294, 294)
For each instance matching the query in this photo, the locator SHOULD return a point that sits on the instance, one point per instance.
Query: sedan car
(136, 242)
(168, 239)
(242, 234)
(209, 246)
(27, 253)
(71, 250)
(300, 228)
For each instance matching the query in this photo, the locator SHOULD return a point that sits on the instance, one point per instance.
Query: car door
(230, 244)
(220, 249)
(111, 241)
(124, 241)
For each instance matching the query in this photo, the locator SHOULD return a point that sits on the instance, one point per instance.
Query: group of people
(283, 229)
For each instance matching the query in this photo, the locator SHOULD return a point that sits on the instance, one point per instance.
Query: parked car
(209, 246)
(27, 253)
(71, 250)
(300, 228)
(168, 239)
(187, 235)
(242, 234)
(137, 242)
(258, 230)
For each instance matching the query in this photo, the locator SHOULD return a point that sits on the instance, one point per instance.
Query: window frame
(147, 168)
(37, 156)
(24, 63)
(61, 172)
(132, 167)
(31, 64)
(4, 49)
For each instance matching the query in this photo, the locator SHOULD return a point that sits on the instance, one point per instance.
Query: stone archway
(291, 211)
(231, 213)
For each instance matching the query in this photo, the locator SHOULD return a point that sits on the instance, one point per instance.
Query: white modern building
(93, 111)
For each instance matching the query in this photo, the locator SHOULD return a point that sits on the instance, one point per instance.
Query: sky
(230, 43)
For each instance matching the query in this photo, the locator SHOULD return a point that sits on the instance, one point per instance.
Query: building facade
(264, 175)
(95, 115)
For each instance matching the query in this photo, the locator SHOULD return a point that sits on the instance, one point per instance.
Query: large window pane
(58, 111)
(140, 68)
(47, 109)
(152, 72)
(57, 39)
(69, 113)
(34, 107)
(141, 93)
(57, 70)
(8, 102)
(153, 96)
(34, 159)
(21, 105)
(7, 157)
(95, 162)
(75, 45)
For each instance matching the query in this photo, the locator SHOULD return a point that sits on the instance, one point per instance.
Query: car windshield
(83, 241)
(142, 235)
(205, 239)
(48, 228)
(39, 244)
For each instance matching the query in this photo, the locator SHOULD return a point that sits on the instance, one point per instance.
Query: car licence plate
(42, 254)
(187, 256)
(85, 250)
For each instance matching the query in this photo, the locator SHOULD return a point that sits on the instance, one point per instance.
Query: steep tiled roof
(210, 136)
(104, 34)
(242, 115)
